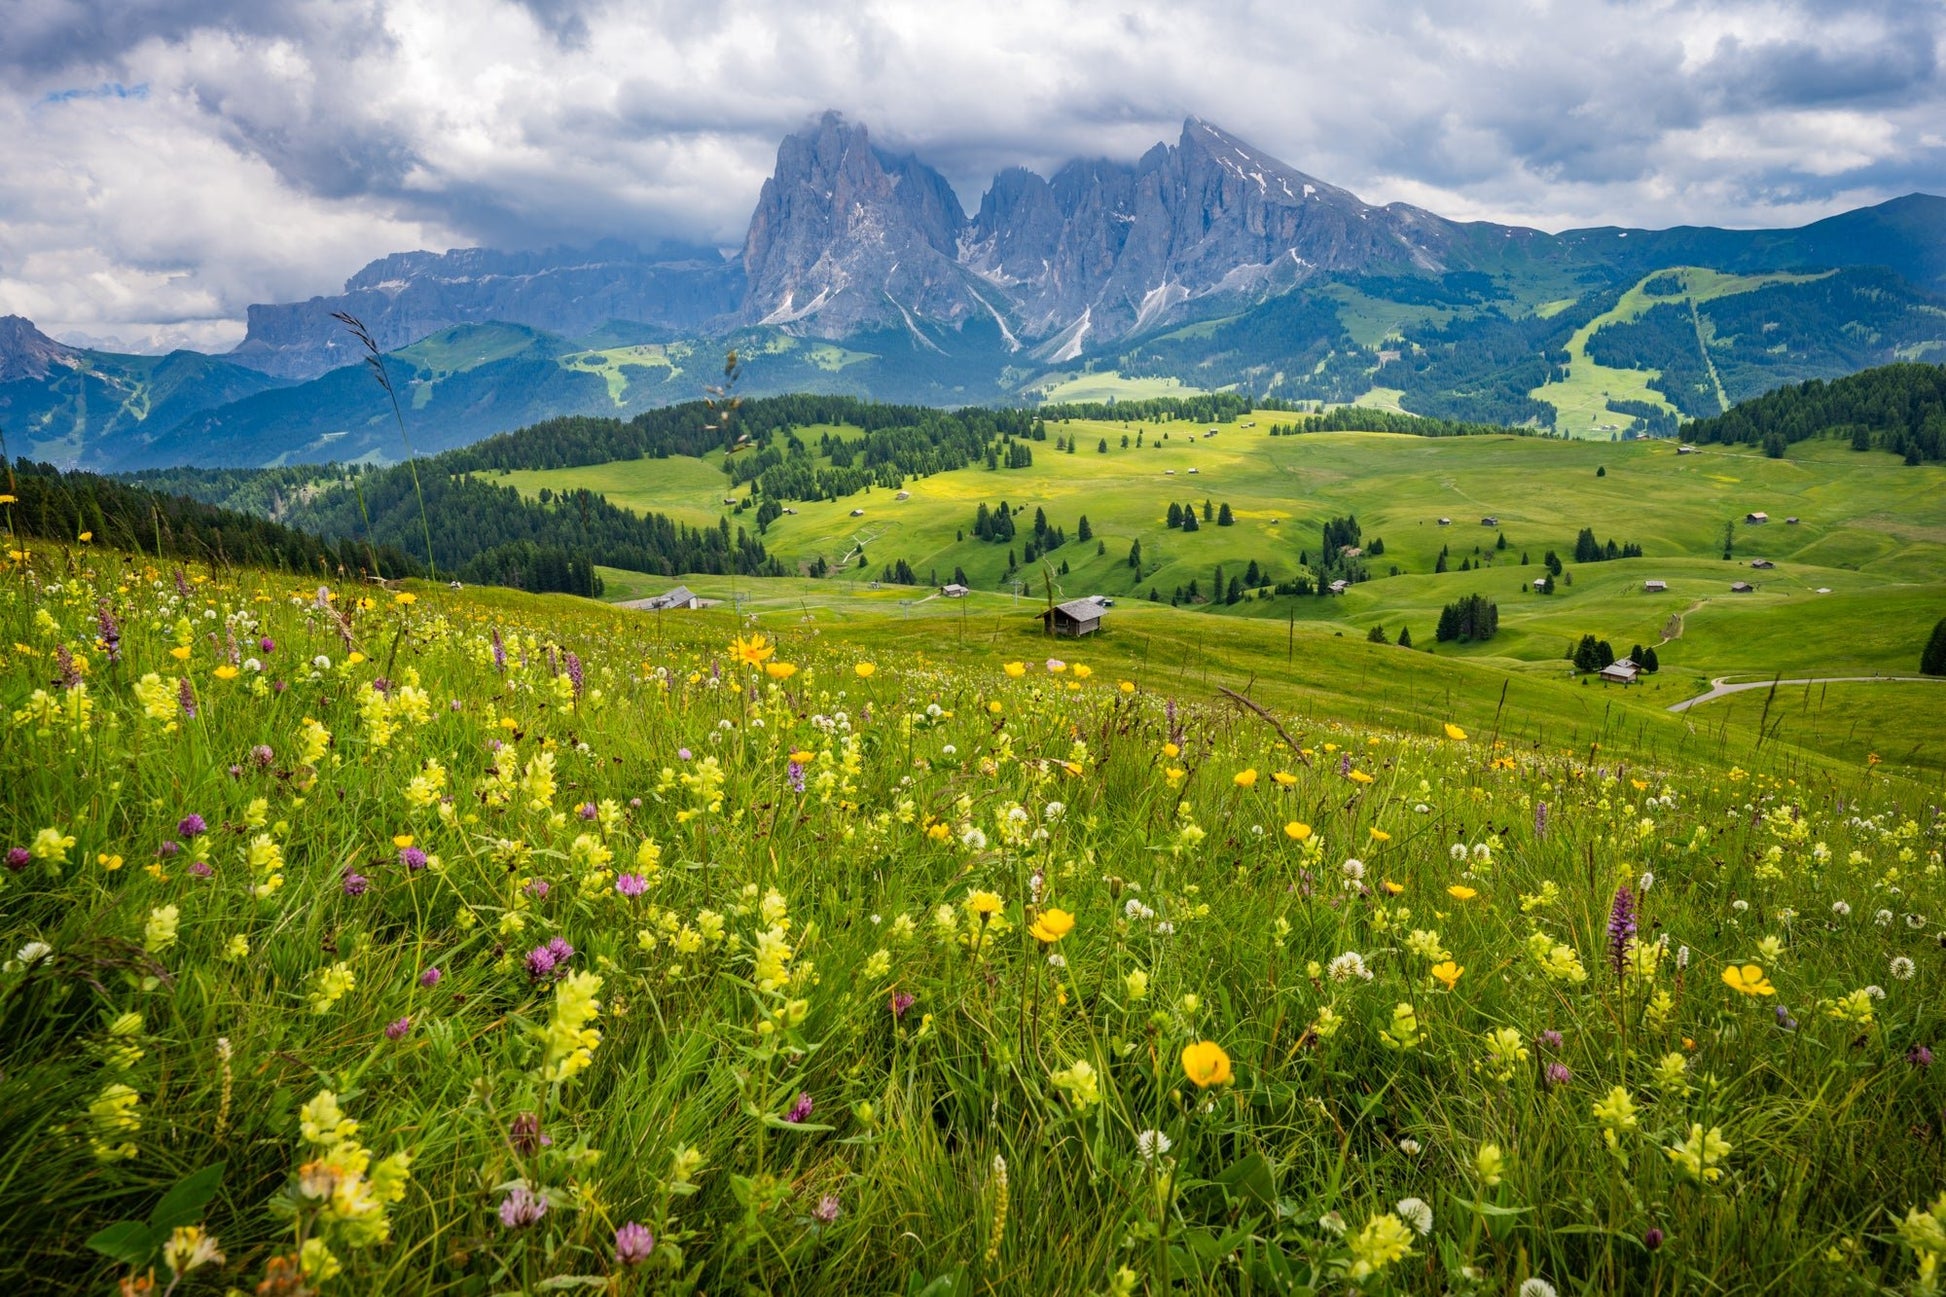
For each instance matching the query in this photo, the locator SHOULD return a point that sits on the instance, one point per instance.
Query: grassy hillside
(432, 941)
(1872, 532)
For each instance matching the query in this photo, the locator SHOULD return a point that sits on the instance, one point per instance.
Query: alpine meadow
(1025, 700)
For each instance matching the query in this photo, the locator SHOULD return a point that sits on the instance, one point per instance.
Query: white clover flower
(1057, 961)
(1840, 908)
(321, 662)
(1915, 921)
(1883, 918)
(948, 750)
(1409, 1146)
(1646, 881)
(1740, 905)
(1902, 968)
(1415, 1213)
(1536, 1287)
(1481, 851)
(1151, 1144)
(1876, 991)
(1457, 851)
(1347, 966)
(1354, 870)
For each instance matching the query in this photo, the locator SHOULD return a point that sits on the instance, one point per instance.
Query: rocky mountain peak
(28, 354)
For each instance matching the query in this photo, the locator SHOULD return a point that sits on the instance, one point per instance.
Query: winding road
(1718, 689)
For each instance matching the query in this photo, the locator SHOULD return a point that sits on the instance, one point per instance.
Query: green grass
(1873, 533)
(1581, 400)
(1056, 388)
(812, 844)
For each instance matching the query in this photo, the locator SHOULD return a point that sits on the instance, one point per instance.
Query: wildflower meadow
(361, 940)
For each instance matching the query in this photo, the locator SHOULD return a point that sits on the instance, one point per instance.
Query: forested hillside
(1900, 408)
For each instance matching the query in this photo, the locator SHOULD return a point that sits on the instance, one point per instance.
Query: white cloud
(263, 151)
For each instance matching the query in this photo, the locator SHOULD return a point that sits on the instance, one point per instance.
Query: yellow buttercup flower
(1392, 888)
(226, 672)
(984, 905)
(1205, 1064)
(1380, 835)
(405, 598)
(1245, 778)
(1360, 777)
(1455, 733)
(1297, 831)
(865, 670)
(1461, 892)
(780, 670)
(1015, 669)
(1051, 925)
(1748, 979)
(1448, 972)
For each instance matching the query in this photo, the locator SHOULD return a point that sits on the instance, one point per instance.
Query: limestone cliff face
(27, 354)
(845, 237)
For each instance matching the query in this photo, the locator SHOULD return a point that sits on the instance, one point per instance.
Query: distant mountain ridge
(848, 238)
(1205, 264)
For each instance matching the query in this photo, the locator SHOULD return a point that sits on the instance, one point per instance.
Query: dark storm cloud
(288, 141)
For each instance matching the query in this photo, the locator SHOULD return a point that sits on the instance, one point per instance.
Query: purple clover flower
(901, 1001)
(169, 849)
(682, 754)
(540, 963)
(191, 826)
(827, 1210)
(634, 1244)
(430, 978)
(355, 882)
(521, 1208)
(587, 810)
(1919, 1056)
(1558, 1074)
(263, 756)
(202, 869)
(800, 1109)
(1549, 1039)
(18, 858)
(396, 1030)
(412, 858)
(526, 1136)
(267, 644)
(537, 888)
(631, 885)
(560, 949)
(1652, 1238)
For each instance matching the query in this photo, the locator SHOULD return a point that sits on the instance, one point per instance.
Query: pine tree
(1083, 531)
(1932, 662)
(1405, 638)
(1224, 518)
(1135, 556)
(1648, 660)
(1208, 516)
(1376, 635)
(1175, 514)
(1189, 522)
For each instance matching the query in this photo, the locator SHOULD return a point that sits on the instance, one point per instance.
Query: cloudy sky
(164, 163)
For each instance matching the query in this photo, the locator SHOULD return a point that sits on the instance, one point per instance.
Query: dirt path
(1718, 689)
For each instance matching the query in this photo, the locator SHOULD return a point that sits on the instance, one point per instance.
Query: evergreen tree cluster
(1900, 408)
(55, 506)
(1359, 418)
(1470, 619)
(1589, 550)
